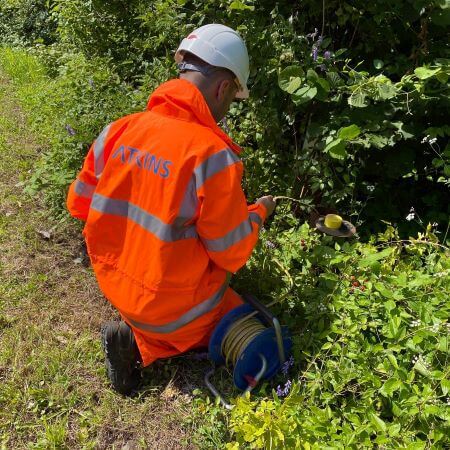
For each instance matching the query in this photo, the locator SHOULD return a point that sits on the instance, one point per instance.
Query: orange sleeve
(228, 227)
(82, 189)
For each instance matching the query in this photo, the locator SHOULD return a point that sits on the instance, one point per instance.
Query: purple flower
(269, 244)
(315, 52)
(70, 130)
(319, 41)
(327, 54)
(282, 392)
(287, 365)
(91, 83)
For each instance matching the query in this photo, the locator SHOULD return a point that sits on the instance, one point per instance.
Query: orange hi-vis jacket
(166, 219)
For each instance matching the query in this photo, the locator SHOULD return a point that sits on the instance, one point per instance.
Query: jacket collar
(181, 99)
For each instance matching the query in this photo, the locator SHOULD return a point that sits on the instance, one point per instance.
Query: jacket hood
(182, 99)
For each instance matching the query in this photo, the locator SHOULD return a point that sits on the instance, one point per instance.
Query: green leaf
(420, 367)
(336, 149)
(445, 386)
(370, 259)
(334, 79)
(386, 293)
(290, 78)
(392, 360)
(304, 94)
(349, 133)
(424, 73)
(311, 75)
(386, 91)
(378, 64)
(238, 5)
(377, 422)
(390, 387)
(357, 100)
(442, 77)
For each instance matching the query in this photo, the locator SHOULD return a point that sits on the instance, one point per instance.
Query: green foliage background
(381, 69)
(349, 112)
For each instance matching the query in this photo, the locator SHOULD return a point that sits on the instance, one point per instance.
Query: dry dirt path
(53, 389)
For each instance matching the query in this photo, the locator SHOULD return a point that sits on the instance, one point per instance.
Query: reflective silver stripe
(214, 164)
(234, 236)
(189, 316)
(84, 189)
(256, 218)
(189, 204)
(150, 223)
(99, 147)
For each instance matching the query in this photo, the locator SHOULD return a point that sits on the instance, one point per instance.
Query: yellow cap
(333, 221)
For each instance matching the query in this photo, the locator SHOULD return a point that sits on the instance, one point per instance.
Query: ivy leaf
(336, 149)
(357, 100)
(424, 72)
(349, 133)
(290, 78)
(304, 94)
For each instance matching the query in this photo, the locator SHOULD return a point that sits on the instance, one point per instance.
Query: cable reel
(250, 340)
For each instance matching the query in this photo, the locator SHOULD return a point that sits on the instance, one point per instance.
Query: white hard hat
(219, 46)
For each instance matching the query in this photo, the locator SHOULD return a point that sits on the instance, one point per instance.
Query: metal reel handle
(272, 321)
(249, 388)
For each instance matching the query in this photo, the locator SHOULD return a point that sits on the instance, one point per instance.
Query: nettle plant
(371, 343)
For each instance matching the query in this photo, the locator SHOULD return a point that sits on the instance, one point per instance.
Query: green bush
(317, 69)
(66, 112)
(371, 343)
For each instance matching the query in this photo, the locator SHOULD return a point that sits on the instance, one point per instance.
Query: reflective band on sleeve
(234, 236)
(189, 316)
(84, 189)
(231, 238)
(214, 164)
(99, 148)
(149, 222)
(256, 218)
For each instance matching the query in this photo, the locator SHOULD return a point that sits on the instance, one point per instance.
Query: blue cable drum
(249, 363)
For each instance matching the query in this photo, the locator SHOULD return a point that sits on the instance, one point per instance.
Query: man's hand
(268, 202)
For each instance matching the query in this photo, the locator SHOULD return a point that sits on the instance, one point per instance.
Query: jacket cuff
(259, 209)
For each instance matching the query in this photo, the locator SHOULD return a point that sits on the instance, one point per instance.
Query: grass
(53, 388)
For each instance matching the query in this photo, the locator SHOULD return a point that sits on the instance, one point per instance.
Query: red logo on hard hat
(192, 36)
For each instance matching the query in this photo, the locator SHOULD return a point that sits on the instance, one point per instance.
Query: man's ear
(222, 90)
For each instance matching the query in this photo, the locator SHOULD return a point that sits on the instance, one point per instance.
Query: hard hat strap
(183, 67)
